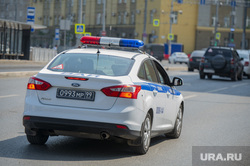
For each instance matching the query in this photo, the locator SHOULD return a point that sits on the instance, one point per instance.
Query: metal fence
(38, 54)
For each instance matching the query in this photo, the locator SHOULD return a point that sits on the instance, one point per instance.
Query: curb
(17, 74)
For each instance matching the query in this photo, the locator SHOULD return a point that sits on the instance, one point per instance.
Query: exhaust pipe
(104, 135)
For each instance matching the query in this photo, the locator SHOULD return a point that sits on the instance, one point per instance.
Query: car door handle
(155, 92)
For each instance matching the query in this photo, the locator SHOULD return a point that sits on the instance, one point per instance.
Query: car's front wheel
(178, 125)
(38, 139)
(145, 136)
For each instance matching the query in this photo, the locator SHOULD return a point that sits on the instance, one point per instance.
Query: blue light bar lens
(131, 43)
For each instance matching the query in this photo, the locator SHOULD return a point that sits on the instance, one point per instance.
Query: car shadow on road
(68, 149)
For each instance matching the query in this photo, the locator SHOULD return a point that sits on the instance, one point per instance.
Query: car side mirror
(177, 81)
(241, 59)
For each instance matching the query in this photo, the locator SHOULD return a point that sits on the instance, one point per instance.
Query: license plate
(208, 71)
(75, 94)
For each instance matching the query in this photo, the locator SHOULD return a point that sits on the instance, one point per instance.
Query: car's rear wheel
(145, 136)
(38, 139)
(178, 125)
(209, 76)
(240, 76)
(190, 69)
(202, 75)
(234, 76)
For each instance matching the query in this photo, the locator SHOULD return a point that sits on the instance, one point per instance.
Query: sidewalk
(22, 68)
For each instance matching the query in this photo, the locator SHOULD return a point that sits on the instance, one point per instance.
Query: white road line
(7, 96)
(216, 90)
(188, 97)
(239, 85)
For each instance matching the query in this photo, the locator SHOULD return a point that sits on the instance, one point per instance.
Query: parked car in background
(245, 54)
(221, 61)
(194, 59)
(156, 50)
(178, 57)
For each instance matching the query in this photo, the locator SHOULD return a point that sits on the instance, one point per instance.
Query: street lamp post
(216, 22)
(170, 28)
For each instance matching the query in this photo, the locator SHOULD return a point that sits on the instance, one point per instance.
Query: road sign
(57, 34)
(171, 36)
(31, 13)
(87, 34)
(31, 17)
(217, 36)
(156, 22)
(79, 28)
(103, 33)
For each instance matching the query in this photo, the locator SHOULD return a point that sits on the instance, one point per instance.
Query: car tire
(210, 76)
(178, 125)
(248, 76)
(234, 76)
(240, 76)
(190, 69)
(202, 75)
(39, 139)
(145, 136)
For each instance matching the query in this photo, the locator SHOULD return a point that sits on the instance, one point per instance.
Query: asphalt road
(216, 114)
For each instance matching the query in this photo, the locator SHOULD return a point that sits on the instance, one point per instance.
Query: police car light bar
(111, 41)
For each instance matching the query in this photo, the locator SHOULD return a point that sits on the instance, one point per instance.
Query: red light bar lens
(76, 78)
(90, 40)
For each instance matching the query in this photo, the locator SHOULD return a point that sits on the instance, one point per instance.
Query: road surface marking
(7, 96)
(239, 85)
(216, 90)
(191, 96)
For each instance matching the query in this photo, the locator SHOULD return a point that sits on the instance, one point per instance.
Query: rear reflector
(123, 91)
(26, 118)
(246, 64)
(76, 78)
(37, 84)
(121, 127)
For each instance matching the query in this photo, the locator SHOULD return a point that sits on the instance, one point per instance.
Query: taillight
(190, 60)
(202, 59)
(232, 61)
(124, 91)
(37, 84)
(246, 64)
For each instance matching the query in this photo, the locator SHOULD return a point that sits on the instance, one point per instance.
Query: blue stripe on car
(159, 88)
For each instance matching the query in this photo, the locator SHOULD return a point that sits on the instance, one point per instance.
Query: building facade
(230, 24)
(192, 23)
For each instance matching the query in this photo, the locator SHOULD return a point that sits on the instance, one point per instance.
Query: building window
(125, 1)
(99, 2)
(83, 18)
(125, 18)
(248, 22)
(226, 21)
(98, 18)
(119, 1)
(84, 2)
(132, 1)
(174, 17)
(151, 17)
(213, 21)
(119, 18)
(132, 18)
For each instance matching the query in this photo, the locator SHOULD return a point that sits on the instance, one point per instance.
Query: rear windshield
(214, 51)
(198, 53)
(92, 64)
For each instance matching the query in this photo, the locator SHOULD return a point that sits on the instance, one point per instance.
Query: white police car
(103, 94)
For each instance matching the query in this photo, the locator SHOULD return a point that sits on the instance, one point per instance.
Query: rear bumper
(87, 129)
